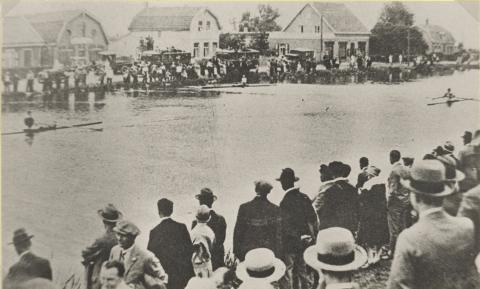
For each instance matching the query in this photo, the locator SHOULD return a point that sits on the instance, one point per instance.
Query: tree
(265, 21)
(394, 31)
(232, 41)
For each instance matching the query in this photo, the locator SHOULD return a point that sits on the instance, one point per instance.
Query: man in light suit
(29, 266)
(142, 268)
(470, 208)
(438, 251)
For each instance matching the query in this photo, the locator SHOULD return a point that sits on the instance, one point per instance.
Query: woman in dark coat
(373, 232)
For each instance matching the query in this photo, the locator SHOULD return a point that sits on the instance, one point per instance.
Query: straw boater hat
(260, 265)
(206, 192)
(451, 173)
(20, 236)
(110, 214)
(427, 177)
(335, 251)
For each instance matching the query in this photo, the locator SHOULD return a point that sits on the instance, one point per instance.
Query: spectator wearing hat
(470, 208)
(326, 178)
(217, 224)
(469, 163)
(142, 269)
(451, 203)
(300, 229)
(98, 252)
(203, 239)
(171, 244)
(336, 257)
(467, 137)
(373, 229)
(112, 274)
(261, 269)
(29, 266)
(362, 176)
(439, 250)
(398, 202)
(341, 203)
(258, 225)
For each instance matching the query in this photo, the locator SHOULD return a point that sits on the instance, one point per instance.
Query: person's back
(341, 207)
(436, 252)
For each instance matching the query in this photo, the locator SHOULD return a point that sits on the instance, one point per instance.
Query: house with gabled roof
(438, 39)
(192, 29)
(327, 28)
(36, 41)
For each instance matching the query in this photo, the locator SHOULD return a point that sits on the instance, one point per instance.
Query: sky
(116, 15)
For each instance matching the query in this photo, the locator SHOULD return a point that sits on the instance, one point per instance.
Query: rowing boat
(451, 101)
(51, 127)
(234, 85)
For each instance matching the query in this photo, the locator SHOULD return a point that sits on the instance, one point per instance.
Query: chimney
(426, 21)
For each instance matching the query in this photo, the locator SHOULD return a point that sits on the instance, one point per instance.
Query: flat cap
(126, 228)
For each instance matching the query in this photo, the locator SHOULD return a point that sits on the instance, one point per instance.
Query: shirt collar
(129, 250)
(340, 179)
(24, 253)
(430, 211)
(396, 163)
(291, 189)
(163, 219)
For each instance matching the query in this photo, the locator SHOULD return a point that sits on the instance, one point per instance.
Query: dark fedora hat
(288, 174)
(20, 236)
(206, 193)
(110, 214)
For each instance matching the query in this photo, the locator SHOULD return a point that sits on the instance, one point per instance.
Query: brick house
(342, 32)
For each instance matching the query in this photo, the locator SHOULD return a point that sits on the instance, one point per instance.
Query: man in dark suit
(301, 228)
(470, 208)
(29, 266)
(438, 251)
(217, 224)
(259, 224)
(170, 242)
(97, 253)
(341, 202)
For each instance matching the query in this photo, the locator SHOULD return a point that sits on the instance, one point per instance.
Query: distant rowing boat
(451, 101)
(52, 127)
(233, 85)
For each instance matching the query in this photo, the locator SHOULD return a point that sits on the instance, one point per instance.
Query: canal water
(171, 145)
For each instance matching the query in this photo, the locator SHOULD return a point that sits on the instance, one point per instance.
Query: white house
(192, 29)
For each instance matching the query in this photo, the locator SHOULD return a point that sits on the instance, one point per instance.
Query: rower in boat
(29, 121)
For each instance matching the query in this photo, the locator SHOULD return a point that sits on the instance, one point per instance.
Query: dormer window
(200, 25)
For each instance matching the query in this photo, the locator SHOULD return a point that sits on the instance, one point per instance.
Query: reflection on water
(154, 145)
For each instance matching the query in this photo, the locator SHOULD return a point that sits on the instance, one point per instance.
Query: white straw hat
(261, 264)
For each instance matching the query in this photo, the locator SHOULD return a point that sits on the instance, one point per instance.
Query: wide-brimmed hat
(20, 236)
(206, 193)
(125, 227)
(110, 214)
(427, 177)
(260, 264)
(448, 146)
(451, 172)
(203, 214)
(335, 251)
(288, 174)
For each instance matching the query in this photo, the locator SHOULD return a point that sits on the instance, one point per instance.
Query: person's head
(287, 178)
(206, 197)
(111, 274)
(203, 214)
(263, 188)
(363, 162)
(21, 240)
(394, 156)
(449, 90)
(408, 162)
(110, 216)
(165, 207)
(29, 113)
(467, 137)
(448, 147)
(325, 173)
(336, 168)
(126, 233)
(346, 169)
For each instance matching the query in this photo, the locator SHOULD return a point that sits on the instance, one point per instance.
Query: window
(208, 26)
(200, 24)
(301, 28)
(9, 58)
(317, 29)
(214, 47)
(27, 58)
(206, 51)
(196, 49)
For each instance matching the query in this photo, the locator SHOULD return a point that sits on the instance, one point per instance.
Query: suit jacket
(95, 255)
(139, 264)
(300, 219)
(219, 227)
(435, 253)
(259, 225)
(470, 208)
(395, 189)
(28, 267)
(171, 244)
(341, 207)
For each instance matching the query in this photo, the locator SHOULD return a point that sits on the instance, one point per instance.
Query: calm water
(155, 146)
